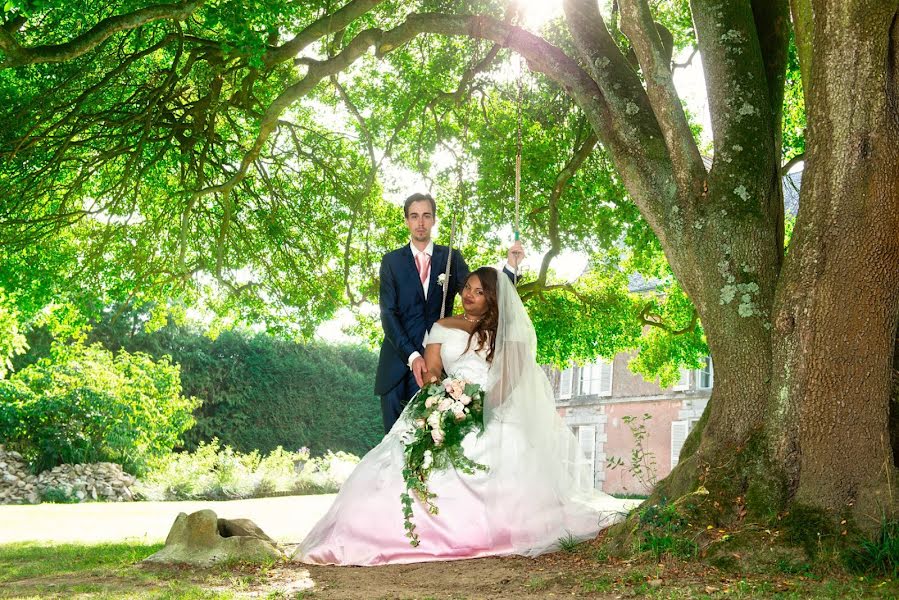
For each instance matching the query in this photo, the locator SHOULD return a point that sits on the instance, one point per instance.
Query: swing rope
(517, 228)
(461, 190)
(460, 199)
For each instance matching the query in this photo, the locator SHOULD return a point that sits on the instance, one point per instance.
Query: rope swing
(461, 187)
(517, 228)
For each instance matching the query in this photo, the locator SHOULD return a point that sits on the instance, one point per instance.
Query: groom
(410, 298)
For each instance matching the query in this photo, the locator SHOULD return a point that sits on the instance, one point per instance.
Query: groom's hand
(516, 254)
(419, 370)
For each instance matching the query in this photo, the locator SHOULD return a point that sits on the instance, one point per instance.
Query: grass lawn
(30, 570)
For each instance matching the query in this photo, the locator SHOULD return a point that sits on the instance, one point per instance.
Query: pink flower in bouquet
(444, 404)
(458, 410)
(431, 401)
(420, 423)
(437, 436)
(465, 399)
(454, 388)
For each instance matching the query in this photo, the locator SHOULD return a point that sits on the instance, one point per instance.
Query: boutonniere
(441, 280)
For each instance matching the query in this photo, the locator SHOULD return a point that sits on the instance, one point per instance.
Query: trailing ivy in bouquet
(442, 414)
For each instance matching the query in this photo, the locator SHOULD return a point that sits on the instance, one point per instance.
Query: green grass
(29, 560)
(568, 543)
(30, 570)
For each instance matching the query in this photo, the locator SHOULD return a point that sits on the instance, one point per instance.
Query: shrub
(259, 392)
(82, 404)
(215, 472)
(56, 495)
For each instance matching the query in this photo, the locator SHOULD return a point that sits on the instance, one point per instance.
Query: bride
(527, 500)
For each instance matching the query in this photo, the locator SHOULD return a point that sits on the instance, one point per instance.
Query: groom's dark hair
(416, 197)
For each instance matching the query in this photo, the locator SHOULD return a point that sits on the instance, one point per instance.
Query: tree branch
(639, 26)
(324, 26)
(634, 139)
(739, 103)
(772, 25)
(548, 58)
(803, 28)
(561, 183)
(687, 62)
(17, 55)
(655, 321)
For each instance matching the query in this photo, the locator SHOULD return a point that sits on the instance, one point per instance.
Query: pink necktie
(422, 261)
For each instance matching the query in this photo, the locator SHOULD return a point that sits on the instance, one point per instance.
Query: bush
(82, 404)
(259, 392)
(215, 472)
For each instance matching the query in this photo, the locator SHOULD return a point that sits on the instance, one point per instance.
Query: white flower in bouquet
(444, 404)
(431, 401)
(465, 399)
(420, 423)
(434, 419)
(428, 460)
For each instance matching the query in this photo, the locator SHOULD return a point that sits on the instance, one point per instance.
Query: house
(597, 400)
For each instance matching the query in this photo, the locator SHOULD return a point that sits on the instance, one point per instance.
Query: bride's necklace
(465, 316)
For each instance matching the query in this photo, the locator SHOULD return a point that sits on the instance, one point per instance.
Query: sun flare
(535, 13)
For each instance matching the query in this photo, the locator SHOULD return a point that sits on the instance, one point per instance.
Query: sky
(398, 181)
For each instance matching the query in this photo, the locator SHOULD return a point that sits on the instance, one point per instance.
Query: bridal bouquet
(442, 413)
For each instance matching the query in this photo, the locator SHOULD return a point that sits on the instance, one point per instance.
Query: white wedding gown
(523, 505)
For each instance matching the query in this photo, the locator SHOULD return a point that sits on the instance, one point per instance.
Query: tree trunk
(838, 299)
(812, 380)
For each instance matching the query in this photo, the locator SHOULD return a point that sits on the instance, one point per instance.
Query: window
(596, 379)
(565, 380)
(684, 381)
(679, 432)
(706, 375)
(586, 438)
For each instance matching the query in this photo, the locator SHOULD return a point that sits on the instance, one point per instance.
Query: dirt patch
(477, 578)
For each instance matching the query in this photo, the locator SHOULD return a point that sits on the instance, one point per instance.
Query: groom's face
(420, 220)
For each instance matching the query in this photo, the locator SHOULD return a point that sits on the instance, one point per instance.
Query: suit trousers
(393, 402)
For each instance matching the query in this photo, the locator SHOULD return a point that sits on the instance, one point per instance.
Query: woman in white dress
(531, 496)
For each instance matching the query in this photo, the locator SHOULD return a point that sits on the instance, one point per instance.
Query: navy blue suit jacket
(405, 313)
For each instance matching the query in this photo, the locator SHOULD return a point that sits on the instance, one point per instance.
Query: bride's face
(474, 300)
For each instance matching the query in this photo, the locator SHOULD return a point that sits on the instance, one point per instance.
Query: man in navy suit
(410, 298)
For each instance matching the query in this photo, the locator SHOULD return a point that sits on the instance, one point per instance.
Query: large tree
(204, 120)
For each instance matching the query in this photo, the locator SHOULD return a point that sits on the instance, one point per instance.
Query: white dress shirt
(429, 250)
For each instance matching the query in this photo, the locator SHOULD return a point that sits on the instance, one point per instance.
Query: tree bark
(838, 300)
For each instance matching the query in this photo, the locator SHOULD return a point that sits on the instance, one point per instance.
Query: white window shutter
(679, 431)
(605, 386)
(586, 435)
(565, 380)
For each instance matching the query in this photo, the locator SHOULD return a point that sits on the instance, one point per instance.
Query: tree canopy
(234, 157)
